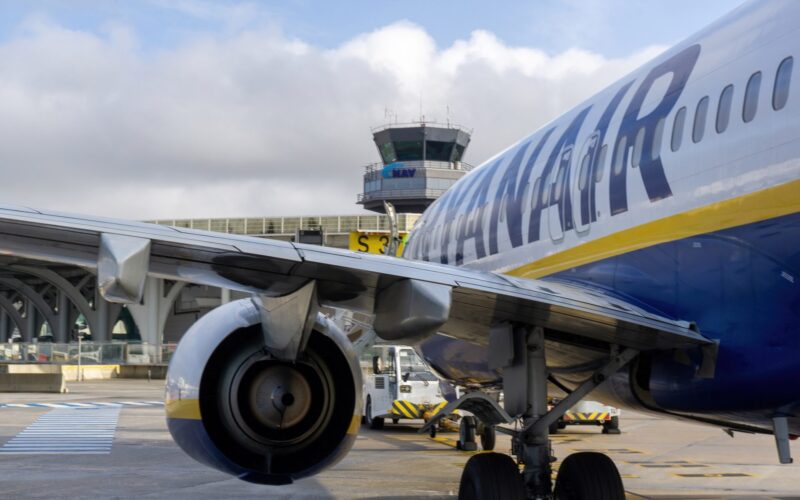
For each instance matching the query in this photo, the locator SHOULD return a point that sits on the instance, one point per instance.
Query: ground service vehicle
(641, 248)
(588, 413)
(398, 385)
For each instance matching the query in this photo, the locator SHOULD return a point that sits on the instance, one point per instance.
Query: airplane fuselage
(677, 189)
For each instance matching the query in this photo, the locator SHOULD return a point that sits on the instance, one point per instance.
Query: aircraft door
(581, 192)
(558, 188)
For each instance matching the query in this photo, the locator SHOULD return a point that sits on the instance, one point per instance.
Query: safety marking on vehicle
(716, 474)
(436, 409)
(67, 431)
(406, 409)
(593, 416)
(88, 405)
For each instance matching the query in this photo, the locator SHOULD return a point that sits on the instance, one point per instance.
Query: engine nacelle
(234, 407)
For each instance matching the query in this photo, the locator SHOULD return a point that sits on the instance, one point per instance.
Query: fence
(89, 353)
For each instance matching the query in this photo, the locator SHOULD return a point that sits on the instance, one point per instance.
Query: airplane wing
(406, 297)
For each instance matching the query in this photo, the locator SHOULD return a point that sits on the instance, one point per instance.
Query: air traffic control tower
(419, 162)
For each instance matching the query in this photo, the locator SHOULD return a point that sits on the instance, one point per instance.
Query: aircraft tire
(373, 423)
(588, 476)
(611, 427)
(491, 476)
(466, 434)
(488, 437)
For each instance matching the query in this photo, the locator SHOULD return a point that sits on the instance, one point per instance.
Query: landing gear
(612, 426)
(582, 476)
(466, 434)
(373, 422)
(588, 475)
(488, 436)
(491, 476)
(395, 420)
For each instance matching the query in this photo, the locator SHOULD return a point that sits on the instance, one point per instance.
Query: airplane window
(751, 97)
(637, 148)
(618, 163)
(655, 152)
(724, 109)
(559, 185)
(783, 79)
(584, 173)
(700, 120)
(677, 128)
(600, 164)
(525, 193)
(535, 194)
(547, 186)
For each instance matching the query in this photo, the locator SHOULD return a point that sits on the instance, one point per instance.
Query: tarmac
(129, 453)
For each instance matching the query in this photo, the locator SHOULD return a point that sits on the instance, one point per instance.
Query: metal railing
(394, 194)
(459, 166)
(88, 353)
(422, 123)
(286, 226)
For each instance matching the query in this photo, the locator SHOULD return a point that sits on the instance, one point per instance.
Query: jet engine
(234, 406)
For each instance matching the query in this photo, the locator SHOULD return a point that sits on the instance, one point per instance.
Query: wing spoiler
(410, 299)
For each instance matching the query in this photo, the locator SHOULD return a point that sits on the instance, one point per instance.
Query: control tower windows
(438, 150)
(459, 152)
(408, 150)
(387, 153)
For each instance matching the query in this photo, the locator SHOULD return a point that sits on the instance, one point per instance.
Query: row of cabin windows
(780, 96)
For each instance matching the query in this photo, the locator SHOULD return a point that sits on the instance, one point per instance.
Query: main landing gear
(581, 476)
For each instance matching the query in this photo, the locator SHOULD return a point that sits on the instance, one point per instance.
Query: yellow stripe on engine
(183, 408)
(355, 424)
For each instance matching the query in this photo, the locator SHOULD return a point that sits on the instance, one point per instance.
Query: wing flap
(346, 279)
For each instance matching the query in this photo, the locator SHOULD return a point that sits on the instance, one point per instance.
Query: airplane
(643, 248)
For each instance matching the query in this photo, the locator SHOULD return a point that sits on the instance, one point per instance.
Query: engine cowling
(234, 407)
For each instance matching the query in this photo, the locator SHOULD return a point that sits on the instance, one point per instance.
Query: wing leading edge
(404, 295)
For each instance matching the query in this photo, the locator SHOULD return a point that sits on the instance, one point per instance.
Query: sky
(190, 108)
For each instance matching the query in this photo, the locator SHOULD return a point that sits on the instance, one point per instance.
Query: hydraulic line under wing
(410, 299)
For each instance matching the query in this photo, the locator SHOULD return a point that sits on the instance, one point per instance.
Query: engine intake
(235, 407)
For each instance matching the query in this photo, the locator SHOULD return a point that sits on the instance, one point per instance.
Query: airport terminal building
(44, 309)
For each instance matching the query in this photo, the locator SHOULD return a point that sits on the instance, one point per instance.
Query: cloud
(253, 122)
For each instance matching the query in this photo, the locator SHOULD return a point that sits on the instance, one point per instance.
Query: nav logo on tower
(397, 169)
